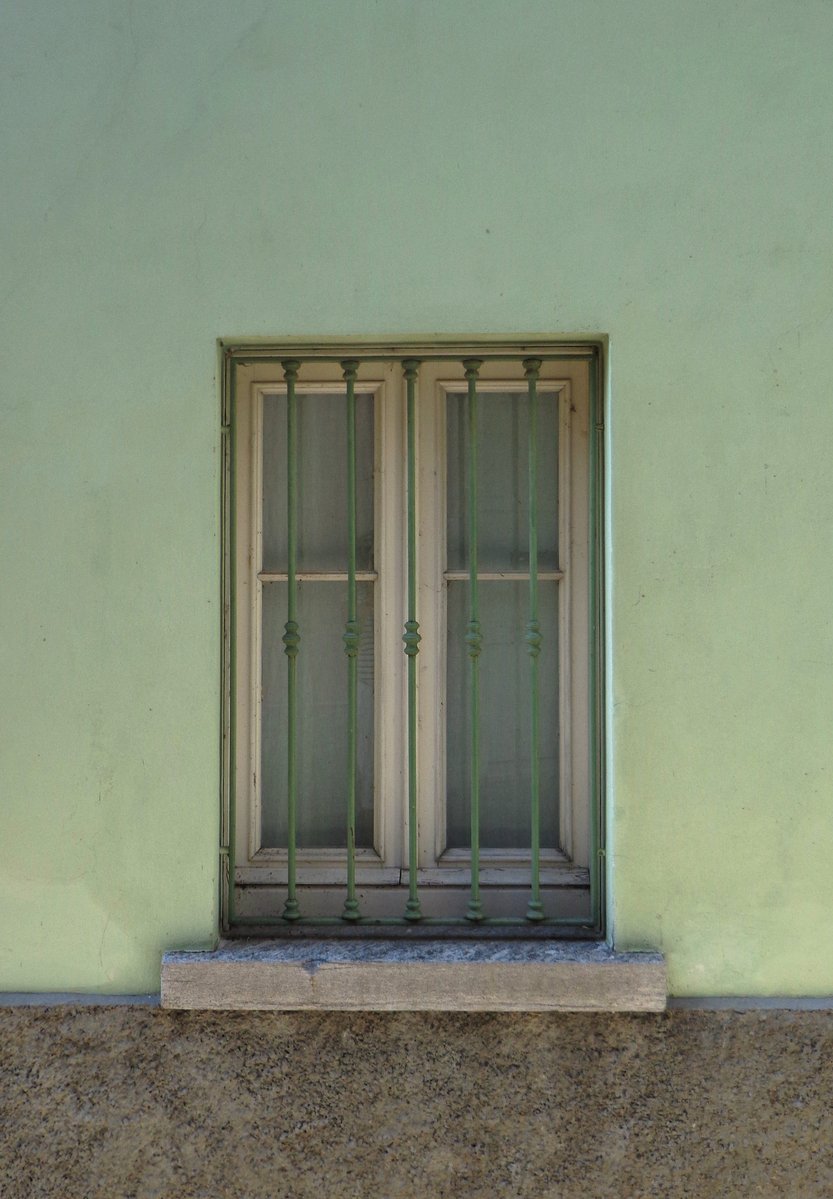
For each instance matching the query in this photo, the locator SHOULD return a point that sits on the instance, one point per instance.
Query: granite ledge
(380, 975)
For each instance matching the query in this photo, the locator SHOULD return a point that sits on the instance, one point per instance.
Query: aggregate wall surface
(141, 1104)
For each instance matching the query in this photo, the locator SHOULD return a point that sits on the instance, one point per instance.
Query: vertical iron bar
(474, 641)
(411, 638)
(351, 911)
(291, 638)
(535, 909)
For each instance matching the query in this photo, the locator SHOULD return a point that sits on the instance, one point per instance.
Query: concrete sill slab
(379, 975)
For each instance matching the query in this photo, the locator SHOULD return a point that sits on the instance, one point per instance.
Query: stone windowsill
(379, 975)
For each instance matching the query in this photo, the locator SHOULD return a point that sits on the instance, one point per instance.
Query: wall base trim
(752, 1003)
(74, 999)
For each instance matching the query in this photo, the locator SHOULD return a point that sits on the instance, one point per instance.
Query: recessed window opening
(412, 638)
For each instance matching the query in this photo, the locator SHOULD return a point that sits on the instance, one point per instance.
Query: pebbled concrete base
(139, 1103)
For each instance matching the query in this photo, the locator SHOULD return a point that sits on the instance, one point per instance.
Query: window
(412, 637)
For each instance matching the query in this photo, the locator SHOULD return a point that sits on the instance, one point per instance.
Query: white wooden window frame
(259, 872)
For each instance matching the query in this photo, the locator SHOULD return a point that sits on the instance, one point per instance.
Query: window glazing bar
(291, 637)
(487, 576)
(474, 641)
(317, 576)
(535, 909)
(351, 639)
(411, 638)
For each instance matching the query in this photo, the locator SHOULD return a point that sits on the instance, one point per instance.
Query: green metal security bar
(535, 909)
(475, 914)
(474, 641)
(411, 638)
(292, 637)
(351, 645)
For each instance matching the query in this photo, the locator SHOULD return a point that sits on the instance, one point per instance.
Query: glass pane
(322, 717)
(322, 482)
(502, 480)
(504, 717)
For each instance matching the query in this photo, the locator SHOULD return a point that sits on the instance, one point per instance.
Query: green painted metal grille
(477, 913)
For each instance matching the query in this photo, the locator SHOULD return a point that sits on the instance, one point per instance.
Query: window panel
(322, 482)
(322, 717)
(503, 492)
(504, 717)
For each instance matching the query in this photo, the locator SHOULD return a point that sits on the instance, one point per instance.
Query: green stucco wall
(656, 172)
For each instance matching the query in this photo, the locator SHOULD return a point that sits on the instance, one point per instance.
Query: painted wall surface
(657, 172)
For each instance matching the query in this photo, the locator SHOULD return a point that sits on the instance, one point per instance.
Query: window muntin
(564, 599)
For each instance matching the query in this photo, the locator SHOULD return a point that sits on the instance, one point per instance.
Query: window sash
(386, 630)
(436, 381)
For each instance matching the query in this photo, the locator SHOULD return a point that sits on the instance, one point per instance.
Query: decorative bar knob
(291, 639)
(474, 638)
(411, 637)
(351, 638)
(533, 638)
